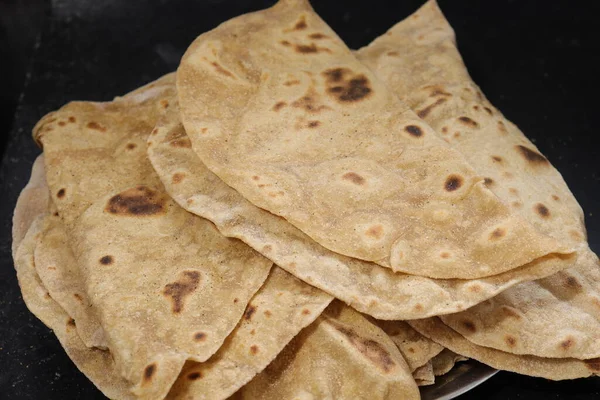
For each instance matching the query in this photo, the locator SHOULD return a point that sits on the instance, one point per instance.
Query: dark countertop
(536, 61)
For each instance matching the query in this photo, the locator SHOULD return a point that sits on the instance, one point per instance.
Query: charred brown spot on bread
(177, 291)
(192, 376)
(568, 343)
(181, 143)
(300, 24)
(306, 311)
(502, 127)
(267, 313)
(418, 307)
(375, 232)
(393, 53)
(453, 182)
(445, 130)
(593, 364)
(199, 336)
(78, 297)
(533, 157)
(513, 191)
(542, 210)
(354, 178)
(138, 201)
(497, 159)
(469, 325)
(456, 135)
(438, 91)
(279, 105)
(555, 197)
(219, 68)
(497, 233)
(335, 75)
(572, 283)
(149, 372)
(285, 43)
(476, 108)
(96, 126)
(254, 349)
(164, 103)
(249, 312)
(72, 119)
(445, 255)
(267, 248)
(414, 130)
(346, 86)
(372, 350)
(510, 312)
(468, 122)
(235, 300)
(106, 260)
(310, 49)
(62, 123)
(488, 182)
(313, 124)
(425, 111)
(292, 82)
(511, 341)
(131, 146)
(309, 102)
(178, 177)
(318, 36)
(488, 110)
(61, 193)
(55, 213)
(71, 322)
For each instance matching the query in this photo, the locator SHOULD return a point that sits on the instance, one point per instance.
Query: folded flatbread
(166, 285)
(278, 107)
(554, 317)
(365, 286)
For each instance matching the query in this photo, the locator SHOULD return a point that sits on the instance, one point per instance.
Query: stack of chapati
(189, 239)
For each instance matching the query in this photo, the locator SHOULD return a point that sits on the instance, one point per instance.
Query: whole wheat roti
(416, 349)
(279, 108)
(96, 364)
(365, 286)
(419, 61)
(549, 368)
(95, 148)
(59, 272)
(341, 355)
(54, 264)
(280, 309)
(158, 289)
(554, 317)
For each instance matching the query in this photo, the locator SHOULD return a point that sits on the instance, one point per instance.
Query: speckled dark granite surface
(536, 61)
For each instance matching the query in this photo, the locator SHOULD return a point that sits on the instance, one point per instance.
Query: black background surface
(537, 61)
